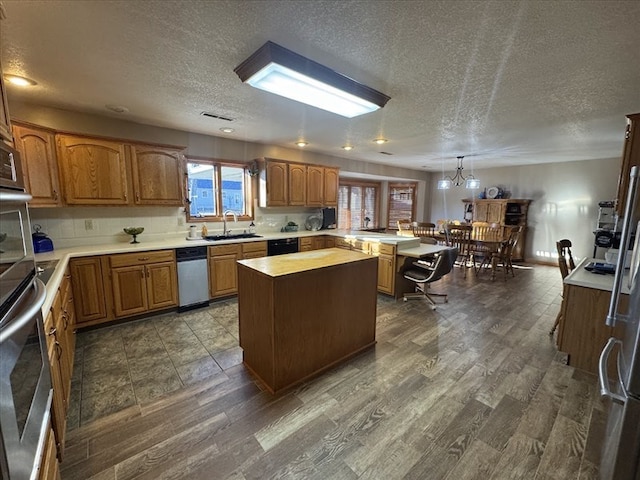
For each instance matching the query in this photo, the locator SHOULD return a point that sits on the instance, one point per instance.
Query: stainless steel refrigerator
(621, 453)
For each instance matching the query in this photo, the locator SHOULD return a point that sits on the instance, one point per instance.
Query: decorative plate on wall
(492, 192)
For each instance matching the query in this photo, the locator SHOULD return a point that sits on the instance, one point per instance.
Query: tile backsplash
(78, 226)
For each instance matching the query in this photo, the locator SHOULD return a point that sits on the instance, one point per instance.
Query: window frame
(414, 194)
(217, 165)
(362, 184)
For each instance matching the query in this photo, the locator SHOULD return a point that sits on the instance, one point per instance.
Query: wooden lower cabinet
(49, 465)
(582, 332)
(223, 270)
(87, 279)
(386, 260)
(59, 327)
(254, 249)
(143, 282)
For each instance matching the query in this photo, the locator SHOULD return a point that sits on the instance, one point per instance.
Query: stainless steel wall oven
(25, 381)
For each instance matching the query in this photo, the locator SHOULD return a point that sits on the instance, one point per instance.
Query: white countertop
(422, 250)
(178, 241)
(583, 278)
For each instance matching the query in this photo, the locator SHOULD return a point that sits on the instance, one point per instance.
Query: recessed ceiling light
(20, 81)
(347, 147)
(227, 130)
(117, 108)
(302, 143)
(380, 141)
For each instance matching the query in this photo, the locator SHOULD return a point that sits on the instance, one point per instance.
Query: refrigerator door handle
(604, 376)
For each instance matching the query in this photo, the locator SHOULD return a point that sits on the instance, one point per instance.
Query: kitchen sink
(215, 238)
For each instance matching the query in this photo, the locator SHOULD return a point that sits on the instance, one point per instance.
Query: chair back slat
(425, 230)
(405, 228)
(459, 236)
(486, 231)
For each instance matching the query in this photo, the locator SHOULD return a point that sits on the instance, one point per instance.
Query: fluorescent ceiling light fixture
(347, 147)
(302, 143)
(20, 81)
(381, 141)
(278, 70)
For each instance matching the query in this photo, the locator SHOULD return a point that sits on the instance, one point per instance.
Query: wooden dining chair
(459, 236)
(566, 265)
(405, 228)
(485, 241)
(502, 256)
(425, 230)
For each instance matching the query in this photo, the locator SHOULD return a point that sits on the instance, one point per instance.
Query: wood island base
(303, 313)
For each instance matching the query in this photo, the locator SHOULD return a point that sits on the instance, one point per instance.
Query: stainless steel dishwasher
(193, 283)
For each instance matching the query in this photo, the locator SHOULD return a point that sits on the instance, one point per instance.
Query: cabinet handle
(143, 259)
(137, 196)
(59, 349)
(55, 195)
(142, 272)
(53, 331)
(147, 270)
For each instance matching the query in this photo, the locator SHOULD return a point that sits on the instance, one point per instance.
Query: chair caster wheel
(404, 299)
(433, 308)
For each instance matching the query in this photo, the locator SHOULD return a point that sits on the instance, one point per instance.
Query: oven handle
(28, 314)
(14, 196)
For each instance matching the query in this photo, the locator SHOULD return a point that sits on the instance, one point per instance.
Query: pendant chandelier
(458, 179)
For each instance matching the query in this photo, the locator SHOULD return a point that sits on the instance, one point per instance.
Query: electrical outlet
(88, 224)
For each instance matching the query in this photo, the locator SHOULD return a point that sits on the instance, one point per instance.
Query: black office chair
(426, 274)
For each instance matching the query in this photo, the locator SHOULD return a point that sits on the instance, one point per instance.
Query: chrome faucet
(224, 220)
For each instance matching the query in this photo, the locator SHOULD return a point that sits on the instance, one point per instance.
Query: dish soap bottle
(205, 232)
(252, 227)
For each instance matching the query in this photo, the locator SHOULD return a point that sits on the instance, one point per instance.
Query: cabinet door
(329, 242)
(315, 186)
(59, 402)
(385, 273)
(318, 243)
(480, 211)
(297, 184)
(277, 184)
(49, 467)
(495, 213)
(330, 187)
(88, 289)
(223, 275)
(129, 290)
(306, 244)
(630, 158)
(94, 172)
(39, 166)
(5, 126)
(158, 175)
(162, 286)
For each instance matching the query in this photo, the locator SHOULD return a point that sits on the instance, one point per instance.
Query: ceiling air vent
(213, 115)
(386, 153)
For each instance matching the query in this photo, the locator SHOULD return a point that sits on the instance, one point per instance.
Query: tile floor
(119, 366)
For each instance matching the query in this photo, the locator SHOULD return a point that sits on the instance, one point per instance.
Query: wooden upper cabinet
(330, 187)
(315, 183)
(39, 164)
(5, 124)
(94, 172)
(630, 158)
(158, 175)
(298, 186)
(276, 184)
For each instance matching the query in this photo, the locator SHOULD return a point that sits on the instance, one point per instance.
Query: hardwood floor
(473, 390)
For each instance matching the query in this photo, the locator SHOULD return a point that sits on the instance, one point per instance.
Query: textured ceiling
(509, 82)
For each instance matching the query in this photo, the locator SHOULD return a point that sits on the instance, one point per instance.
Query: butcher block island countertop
(302, 313)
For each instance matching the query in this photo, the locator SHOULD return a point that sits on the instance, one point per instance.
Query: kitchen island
(303, 313)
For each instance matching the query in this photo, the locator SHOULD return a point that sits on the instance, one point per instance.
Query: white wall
(564, 203)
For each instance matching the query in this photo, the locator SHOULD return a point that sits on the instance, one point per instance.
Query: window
(402, 199)
(215, 187)
(358, 205)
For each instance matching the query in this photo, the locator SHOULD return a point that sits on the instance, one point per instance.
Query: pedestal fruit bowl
(134, 231)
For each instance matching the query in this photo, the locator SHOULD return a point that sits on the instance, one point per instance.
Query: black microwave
(10, 170)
